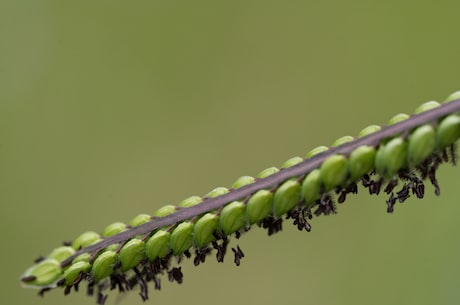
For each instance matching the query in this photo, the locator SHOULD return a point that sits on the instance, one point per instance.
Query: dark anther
(175, 274)
(157, 283)
(130, 283)
(215, 245)
(403, 194)
(117, 280)
(434, 181)
(272, 224)
(444, 155)
(200, 255)
(196, 260)
(351, 188)
(238, 255)
(164, 262)
(101, 298)
(39, 259)
(326, 206)
(366, 181)
(423, 168)
(67, 290)
(155, 266)
(373, 186)
(144, 291)
(151, 272)
(453, 154)
(43, 290)
(187, 254)
(405, 175)
(67, 243)
(29, 278)
(90, 290)
(418, 188)
(78, 279)
(377, 186)
(221, 249)
(160, 265)
(342, 197)
(181, 256)
(391, 203)
(300, 215)
(390, 186)
(237, 234)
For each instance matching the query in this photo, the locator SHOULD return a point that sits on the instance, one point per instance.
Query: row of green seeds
(337, 171)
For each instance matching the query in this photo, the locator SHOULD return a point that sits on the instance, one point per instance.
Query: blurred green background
(109, 109)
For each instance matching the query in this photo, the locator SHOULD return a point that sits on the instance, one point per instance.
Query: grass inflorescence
(396, 160)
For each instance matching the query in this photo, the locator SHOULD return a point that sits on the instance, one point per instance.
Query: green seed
(181, 238)
(452, 97)
(113, 229)
(165, 211)
(103, 265)
(398, 118)
(380, 159)
(316, 150)
(191, 201)
(392, 157)
(291, 162)
(131, 254)
(139, 220)
(267, 172)
(218, 191)
(311, 187)
(422, 143)
(204, 229)
(158, 245)
(112, 247)
(259, 206)
(342, 140)
(74, 270)
(448, 131)
(232, 217)
(334, 172)
(426, 106)
(84, 257)
(61, 253)
(86, 239)
(368, 130)
(45, 273)
(242, 181)
(286, 197)
(361, 162)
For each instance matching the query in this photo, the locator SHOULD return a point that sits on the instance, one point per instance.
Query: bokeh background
(109, 109)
